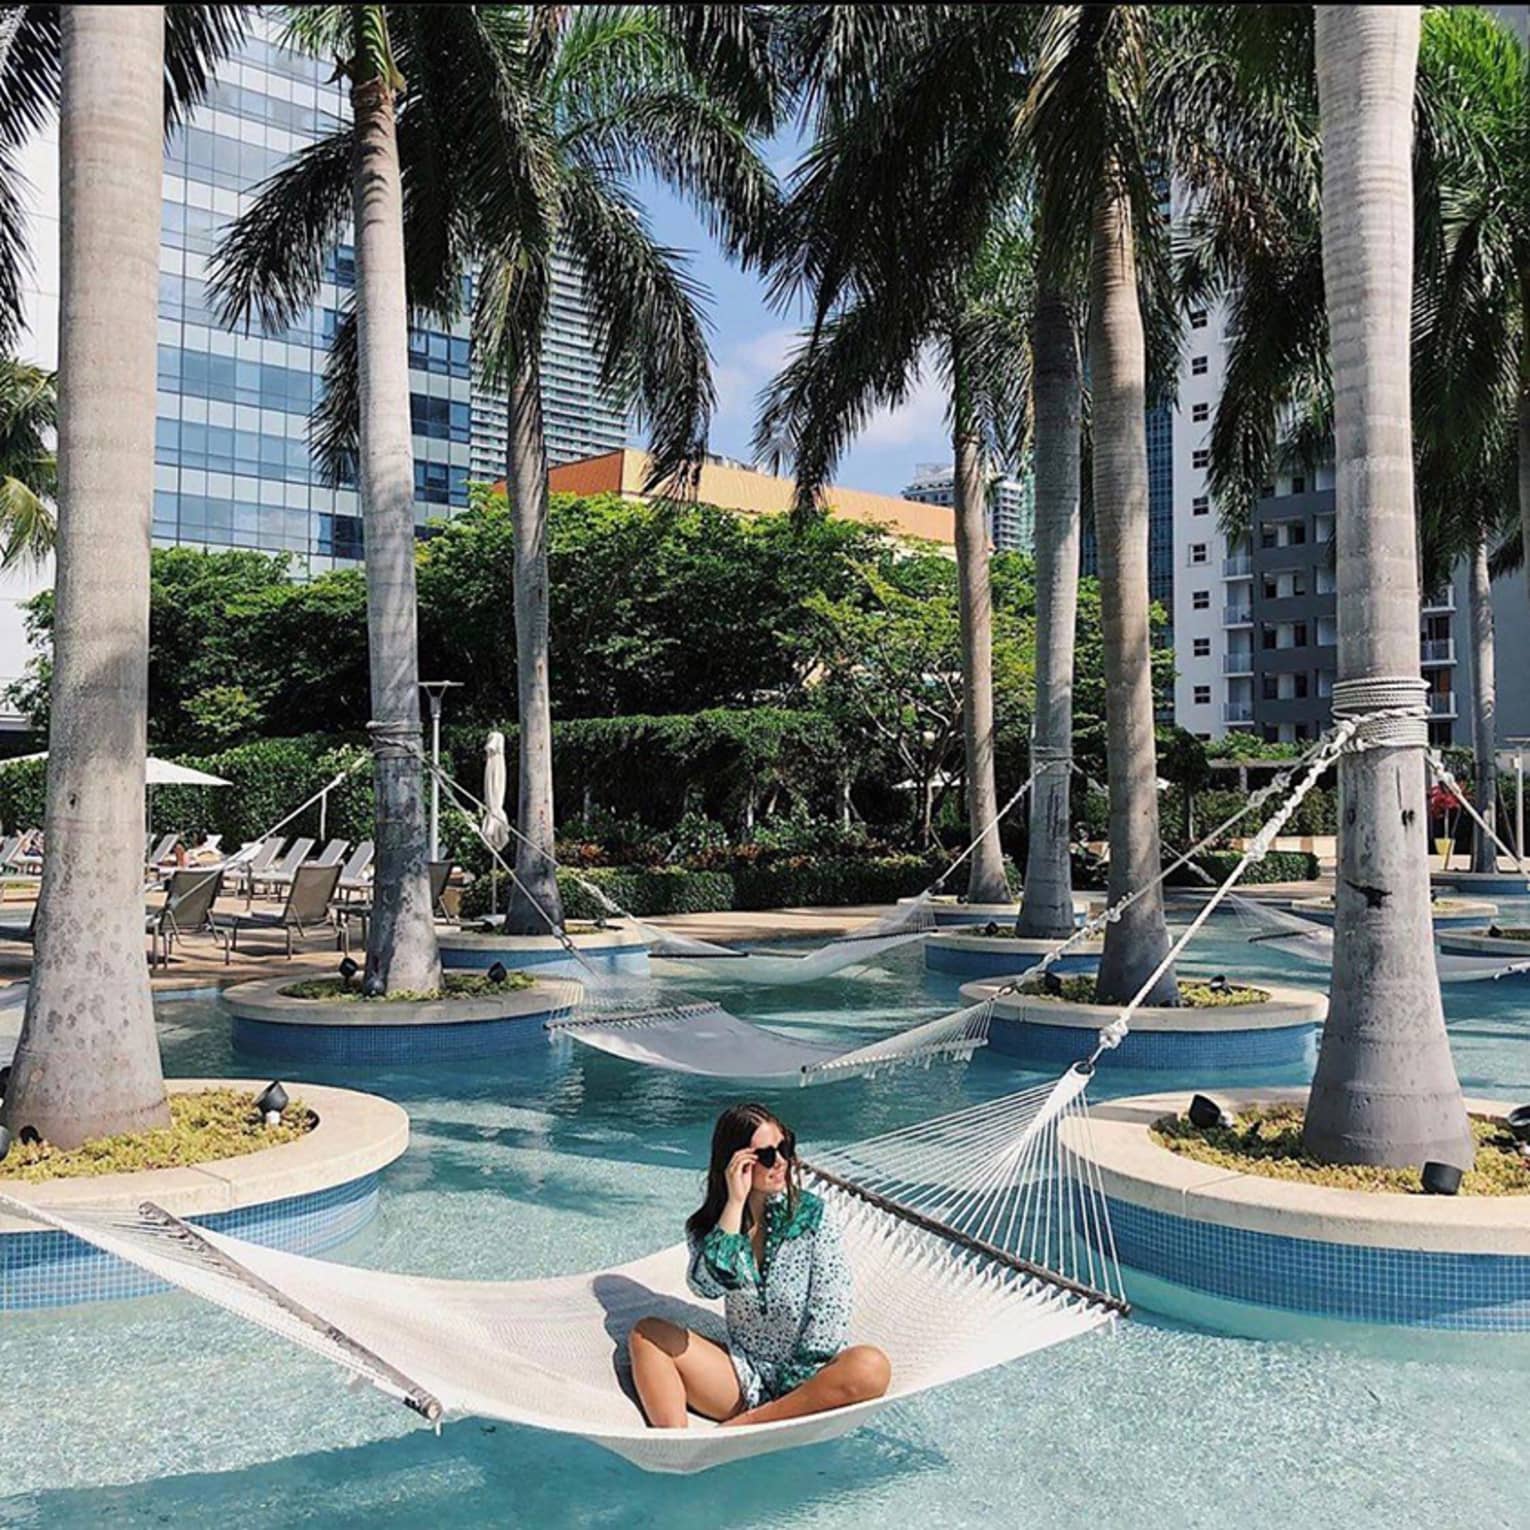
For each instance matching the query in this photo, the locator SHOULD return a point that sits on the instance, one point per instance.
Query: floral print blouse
(790, 1316)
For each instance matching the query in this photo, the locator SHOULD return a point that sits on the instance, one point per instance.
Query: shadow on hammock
(625, 1300)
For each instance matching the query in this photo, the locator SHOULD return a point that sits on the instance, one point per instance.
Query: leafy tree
(28, 467)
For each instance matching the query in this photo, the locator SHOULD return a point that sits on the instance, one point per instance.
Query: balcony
(1237, 711)
(1437, 651)
(1442, 703)
(1445, 602)
(1238, 616)
(1239, 663)
(1238, 568)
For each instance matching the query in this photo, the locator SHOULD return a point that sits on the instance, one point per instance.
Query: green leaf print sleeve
(720, 1262)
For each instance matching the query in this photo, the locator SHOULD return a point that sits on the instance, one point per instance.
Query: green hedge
(645, 891)
(267, 780)
(1277, 866)
(813, 881)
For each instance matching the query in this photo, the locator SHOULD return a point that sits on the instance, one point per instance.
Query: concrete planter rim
(264, 1000)
(1286, 1007)
(357, 1134)
(1137, 1170)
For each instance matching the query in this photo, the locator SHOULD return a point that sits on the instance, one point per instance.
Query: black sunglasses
(766, 1156)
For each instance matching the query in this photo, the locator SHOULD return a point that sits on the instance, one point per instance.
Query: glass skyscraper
(233, 467)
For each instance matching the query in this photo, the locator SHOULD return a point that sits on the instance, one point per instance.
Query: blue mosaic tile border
(631, 959)
(1281, 1046)
(998, 962)
(1485, 1293)
(52, 1269)
(385, 1045)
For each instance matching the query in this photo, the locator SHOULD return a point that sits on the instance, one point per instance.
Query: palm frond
(197, 39)
(271, 258)
(334, 426)
(650, 327)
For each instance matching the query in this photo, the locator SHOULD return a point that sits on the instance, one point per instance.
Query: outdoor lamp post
(1519, 796)
(436, 690)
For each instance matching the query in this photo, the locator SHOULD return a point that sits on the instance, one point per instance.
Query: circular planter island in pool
(1042, 1031)
(272, 1023)
(617, 947)
(971, 953)
(1481, 884)
(1266, 1257)
(1448, 913)
(951, 910)
(304, 1196)
(1512, 942)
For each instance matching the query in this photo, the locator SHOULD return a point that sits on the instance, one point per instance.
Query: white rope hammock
(642, 1024)
(972, 1240)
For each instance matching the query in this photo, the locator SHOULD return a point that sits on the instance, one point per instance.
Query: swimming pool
(165, 1412)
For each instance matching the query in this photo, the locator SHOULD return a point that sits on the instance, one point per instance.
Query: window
(1198, 552)
(1267, 536)
(1200, 600)
(1298, 634)
(1202, 695)
(1299, 687)
(1200, 412)
(1270, 587)
(1298, 485)
(1201, 458)
(1200, 505)
(1267, 491)
(1197, 366)
(1269, 687)
(1296, 533)
(1198, 319)
(1267, 637)
(1201, 647)
(1298, 583)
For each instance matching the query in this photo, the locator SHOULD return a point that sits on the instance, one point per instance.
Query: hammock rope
(972, 1240)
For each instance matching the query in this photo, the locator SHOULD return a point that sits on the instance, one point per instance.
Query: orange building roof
(735, 487)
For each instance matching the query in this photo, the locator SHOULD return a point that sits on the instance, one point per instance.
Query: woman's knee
(863, 1372)
(657, 1332)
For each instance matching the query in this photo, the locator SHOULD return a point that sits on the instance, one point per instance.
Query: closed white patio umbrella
(495, 826)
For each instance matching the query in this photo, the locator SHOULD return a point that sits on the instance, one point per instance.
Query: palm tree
(1089, 111)
(520, 136)
(1046, 908)
(87, 1063)
(28, 466)
(1385, 1090)
(910, 235)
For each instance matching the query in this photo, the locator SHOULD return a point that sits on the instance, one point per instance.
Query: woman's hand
(740, 1177)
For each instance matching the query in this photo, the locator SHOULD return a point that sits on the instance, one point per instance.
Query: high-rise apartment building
(1011, 502)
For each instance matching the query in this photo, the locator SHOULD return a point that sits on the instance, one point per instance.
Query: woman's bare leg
(855, 1375)
(673, 1367)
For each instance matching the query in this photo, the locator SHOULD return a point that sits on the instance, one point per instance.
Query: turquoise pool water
(165, 1412)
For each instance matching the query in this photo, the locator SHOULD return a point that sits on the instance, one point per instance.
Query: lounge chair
(279, 871)
(187, 910)
(22, 933)
(331, 855)
(356, 874)
(306, 910)
(440, 875)
(164, 849)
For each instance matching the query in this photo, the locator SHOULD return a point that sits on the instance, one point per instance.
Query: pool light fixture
(5, 1143)
(272, 1102)
(1441, 1178)
(1205, 1113)
(497, 973)
(1517, 1120)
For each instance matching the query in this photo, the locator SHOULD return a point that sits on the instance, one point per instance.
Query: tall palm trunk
(534, 902)
(1047, 909)
(87, 1064)
(1138, 941)
(986, 882)
(1484, 706)
(1385, 1090)
(401, 940)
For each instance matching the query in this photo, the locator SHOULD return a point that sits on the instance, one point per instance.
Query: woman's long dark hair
(735, 1128)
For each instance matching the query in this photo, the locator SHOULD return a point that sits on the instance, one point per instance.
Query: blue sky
(749, 343)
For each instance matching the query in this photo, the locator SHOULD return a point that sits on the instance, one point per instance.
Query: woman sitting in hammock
(772, 1250)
